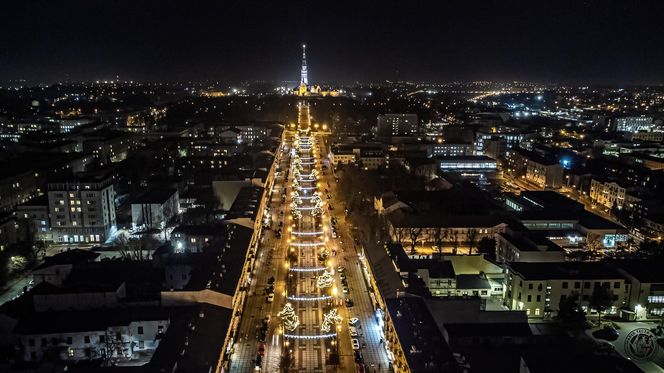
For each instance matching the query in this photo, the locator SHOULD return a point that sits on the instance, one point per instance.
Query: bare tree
(471, 235)
(414, 233)
(440, 234)
(455, 241)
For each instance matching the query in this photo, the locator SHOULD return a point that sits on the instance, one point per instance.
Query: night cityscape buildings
(393, 209)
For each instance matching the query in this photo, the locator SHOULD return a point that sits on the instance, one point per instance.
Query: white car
(355, 343)
(270, 298)
(353, 331)
(345, 290)
(353, 321)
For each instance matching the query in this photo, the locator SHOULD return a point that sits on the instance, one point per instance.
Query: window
(530, 286)
(537, 311)
(102, 339)
(140, 330)
(577, 285)
(141, 344)
(616, 285)
(586, 285)
(44, 342)
(86, 339)
(530, 298)
(565, 285)
(539, 298)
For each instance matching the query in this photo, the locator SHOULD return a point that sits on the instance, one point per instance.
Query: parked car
(358, 356)
(355, 343)
(353, 331)
(349, 302)
(353, 321)
(270, 298)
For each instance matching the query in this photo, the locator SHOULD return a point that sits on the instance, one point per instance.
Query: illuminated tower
(303, 73)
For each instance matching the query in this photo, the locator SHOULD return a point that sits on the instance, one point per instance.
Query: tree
(288, 317)
(455, 241)
(601, 299)
(286, 360)
(569, 311)
(487, 246)
(414, 233)
(651, 248)
(593, 243)
(325, 280)
(471, 235)
(330, 320)
(439, 236)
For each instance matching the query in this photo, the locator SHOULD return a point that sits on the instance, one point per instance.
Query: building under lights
(304, 89)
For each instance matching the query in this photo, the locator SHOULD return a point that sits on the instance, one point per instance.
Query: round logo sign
(641, 344)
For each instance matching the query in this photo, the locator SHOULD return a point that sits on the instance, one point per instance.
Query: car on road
(261, 349)
(345, 289)
(608, 333)
(358, 356)
(259, 362)
(270, 298)
(349, 302)
(340, 269)
(355, 343)
(353, 321)
(353, 331)
(342, 276)
(604, 346)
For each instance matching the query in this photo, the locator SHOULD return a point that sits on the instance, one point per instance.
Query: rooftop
(565, 270)
(423, 343)
(153, 196)
(87, 320)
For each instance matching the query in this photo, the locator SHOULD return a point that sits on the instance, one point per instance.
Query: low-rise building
(527, 247)
(612, 195)
(538, 288)
(543, 172)
(118, 334)
(155, 208)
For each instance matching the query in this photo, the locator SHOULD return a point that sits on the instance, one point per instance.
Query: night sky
(607, 42)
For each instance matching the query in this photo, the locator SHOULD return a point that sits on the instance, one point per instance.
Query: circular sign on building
(641, 344)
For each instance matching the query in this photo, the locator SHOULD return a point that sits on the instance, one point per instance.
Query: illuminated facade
(304, 89)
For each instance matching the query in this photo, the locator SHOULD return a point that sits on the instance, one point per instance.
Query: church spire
(303, 73)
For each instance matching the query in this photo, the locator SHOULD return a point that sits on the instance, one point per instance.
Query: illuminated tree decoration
(330, 319)
(325, 280)
(288, 317)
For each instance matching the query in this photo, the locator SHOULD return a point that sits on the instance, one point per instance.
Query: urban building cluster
(457, 227)
(128, 236)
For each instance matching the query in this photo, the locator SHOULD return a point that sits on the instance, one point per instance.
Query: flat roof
(423, 343)
(156, 195)
(565, 271)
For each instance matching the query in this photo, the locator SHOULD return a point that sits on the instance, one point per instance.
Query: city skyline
(586, 43)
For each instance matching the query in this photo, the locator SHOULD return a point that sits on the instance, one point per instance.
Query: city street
(310, 354)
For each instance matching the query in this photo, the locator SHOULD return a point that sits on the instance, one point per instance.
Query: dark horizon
(587, 43)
